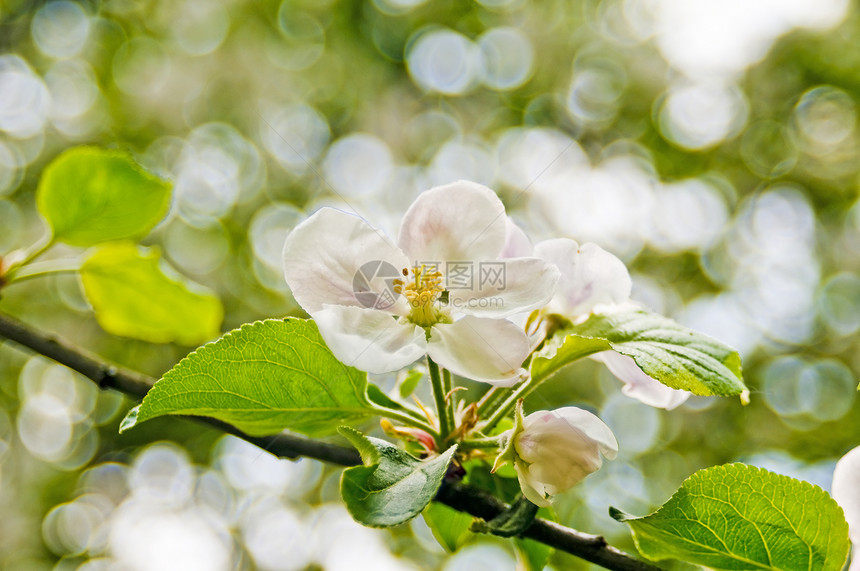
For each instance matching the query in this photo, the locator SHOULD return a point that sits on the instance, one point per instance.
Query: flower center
(422, 292)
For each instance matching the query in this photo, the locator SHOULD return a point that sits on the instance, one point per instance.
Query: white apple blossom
(594, 280)
(846, 492)
(383, 323)
(553, 450)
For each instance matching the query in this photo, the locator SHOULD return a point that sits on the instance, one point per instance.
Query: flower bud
(553, 450)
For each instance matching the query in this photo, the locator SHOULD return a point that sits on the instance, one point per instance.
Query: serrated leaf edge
(615, 513)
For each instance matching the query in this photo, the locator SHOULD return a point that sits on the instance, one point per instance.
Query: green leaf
(742, 517)
(263, 378)
(410, 382)
(450, 527)
(666, 351)
(90, 195)
(532, 555)
(136, 294)
(511, 522)
(563, 349)
(392, 487)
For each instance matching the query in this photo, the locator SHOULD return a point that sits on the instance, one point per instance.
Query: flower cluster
(381, 304)
(446, 226)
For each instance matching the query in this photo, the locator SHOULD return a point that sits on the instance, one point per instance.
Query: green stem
(37, 249)
(490, 443)
(510, 403)
(445, 427)
(448, 387)
(528, 387)
(41, 269)
(490, 400)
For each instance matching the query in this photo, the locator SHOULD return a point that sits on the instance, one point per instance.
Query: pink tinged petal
(339, 259)
(638, 385)
(487, 350)
(557, 449)
(457, 222)
(846, 492)
(516, 285)
(590, 276)
(570, 426)
(369, 339)
(517, 244)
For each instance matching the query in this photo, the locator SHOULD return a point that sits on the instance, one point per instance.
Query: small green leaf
(511, 522)
(90, 195)
(563, 349)
(742, 517)
(392, 487)
(135, 294)
(410, 382)
(666, 351)
(533, 555)
(263, 378)
(130, 419)
(450, 527)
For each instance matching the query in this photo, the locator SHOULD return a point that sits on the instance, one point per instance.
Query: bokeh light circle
(507, 57)
(24, 99)
(60, 29)
(443, 61)
(701, 115)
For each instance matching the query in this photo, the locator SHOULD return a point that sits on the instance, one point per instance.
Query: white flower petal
(556, 449)
(369, 339)
(534, 490)
(332, 255)
(517, 244)
(846, 492)
(519, 285)
(566, 426)
(638, 385)
(457, 222)
(487, 350)
(590, 276)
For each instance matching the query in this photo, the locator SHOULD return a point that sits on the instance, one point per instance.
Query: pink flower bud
(556, 449)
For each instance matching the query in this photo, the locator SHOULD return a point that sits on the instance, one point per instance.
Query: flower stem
(445, 426)
(509, 404)
(448, 387)
(37, 249)
(492, 442)
(490, 400)
(41, 269)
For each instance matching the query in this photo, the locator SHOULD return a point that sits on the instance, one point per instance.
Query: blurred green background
(713, 146)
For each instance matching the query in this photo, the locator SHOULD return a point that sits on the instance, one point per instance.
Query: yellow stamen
(422, 292)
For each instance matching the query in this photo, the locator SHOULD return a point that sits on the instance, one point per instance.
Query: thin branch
(463, 498)
(592, 548)
(132, 383)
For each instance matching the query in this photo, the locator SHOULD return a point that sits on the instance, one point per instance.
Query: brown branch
(136, 384)
(463, 498)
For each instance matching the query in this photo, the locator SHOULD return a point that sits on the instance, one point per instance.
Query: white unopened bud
(556, 449)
